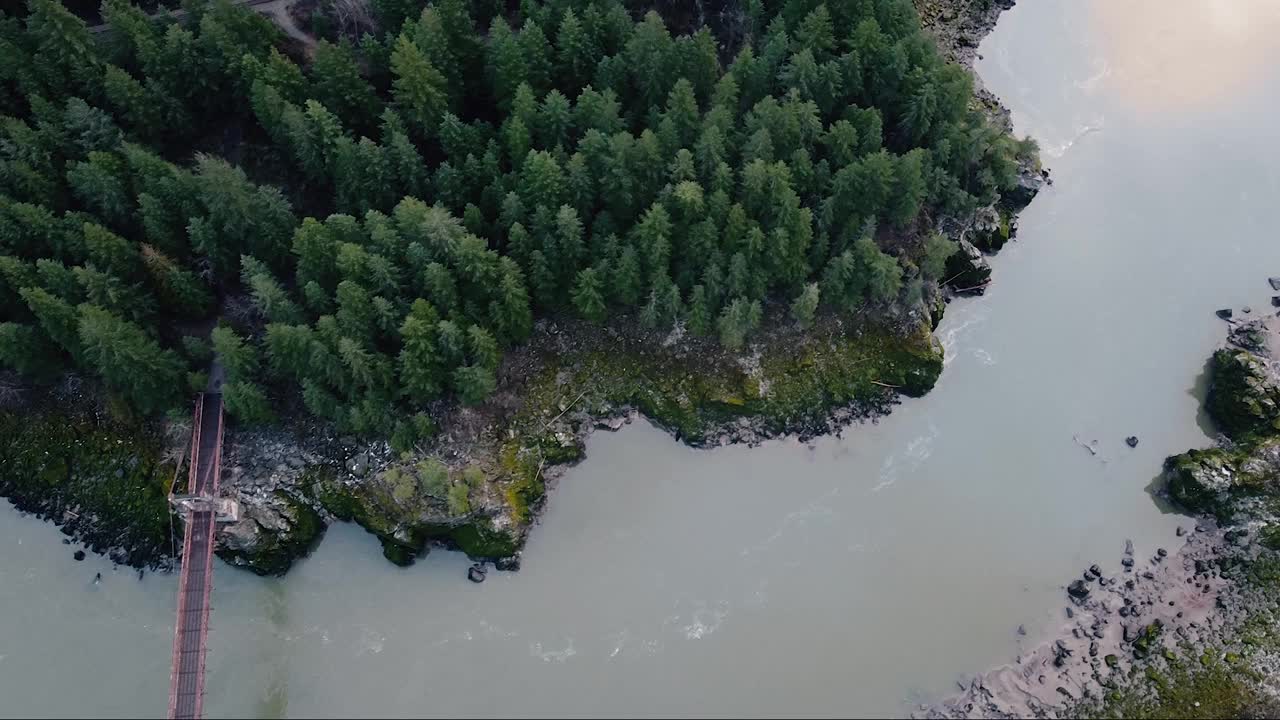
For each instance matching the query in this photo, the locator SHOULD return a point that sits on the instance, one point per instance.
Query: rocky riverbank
(477, 487)
(105, 482)
(1192, 633)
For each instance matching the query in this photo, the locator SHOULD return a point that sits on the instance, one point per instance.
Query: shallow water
(857, 575)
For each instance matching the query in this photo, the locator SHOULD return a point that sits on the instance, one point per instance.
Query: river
(855, 575)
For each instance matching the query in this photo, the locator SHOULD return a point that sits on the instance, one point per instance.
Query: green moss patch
(104, 483)
(794, 384)
(398, 507)
(1242, 400)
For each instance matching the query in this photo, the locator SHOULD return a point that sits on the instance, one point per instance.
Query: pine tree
(129, 362)
(337, 84)
(246, 402)
(420, 368)
(59, 280)
(420, 91)
(355, 315)
(288, 349)
(268, 295)
(628, 278)
(699, 316)
(883, 273)
(537, 56)
(739, 319)
(541, 180)
(240, 358)
(179, 288)
(110, 251)
(505, 63)
(679, 126)
(100, 182)
(937, 250)
(554, 119)
(509, 313)
(115, 294)
(588, 295)
(575, 52)
(63, 44)
(805, 306)
(473, 383)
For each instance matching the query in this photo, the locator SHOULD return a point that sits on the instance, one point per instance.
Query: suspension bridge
(202, 510)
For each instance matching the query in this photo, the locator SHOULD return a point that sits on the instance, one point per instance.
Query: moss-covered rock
(1201, 480)
(106, 483)
(1209, 482)
(1243, 397)
(401, 507)
(1147, 640)
(269, 538)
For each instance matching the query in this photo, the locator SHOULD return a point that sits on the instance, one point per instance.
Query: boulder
(612, 424)
(1251, 336)
(1275, 283)
(1030, 181)
(510, 563)
(273, 531)
(1131, 441)
(1224, 313)
(967, 270)
(476, 573)
(1078, 590)
(358, 465)
(990, 229)
(1243, 395)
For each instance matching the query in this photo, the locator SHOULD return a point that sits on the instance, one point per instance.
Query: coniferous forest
(383, 213)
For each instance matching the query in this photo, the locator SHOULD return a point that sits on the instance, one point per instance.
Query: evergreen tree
(700, 313)
(240, 358)
(246, 402)
(805, 306)
(739, 319)
(130, 363)
(337, 84)
(588, 295)
(420, 370)
(937, 249)
(420, 91)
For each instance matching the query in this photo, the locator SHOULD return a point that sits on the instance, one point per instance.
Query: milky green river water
(859, 575)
